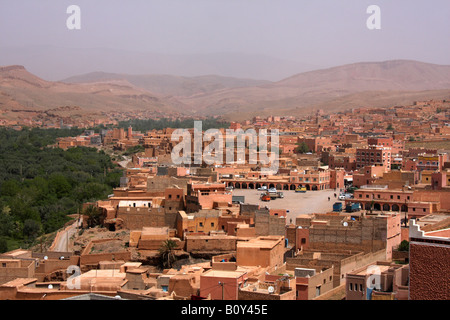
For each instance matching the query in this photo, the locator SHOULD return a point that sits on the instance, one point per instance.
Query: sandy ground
(297, 203)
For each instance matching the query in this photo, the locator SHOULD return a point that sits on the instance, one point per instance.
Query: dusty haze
(257, 39)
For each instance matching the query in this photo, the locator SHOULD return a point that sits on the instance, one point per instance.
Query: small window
(212, 224)
(351, 287)
(201, 224)
(303, 240)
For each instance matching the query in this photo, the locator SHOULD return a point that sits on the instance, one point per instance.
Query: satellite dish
(50, 286)
(270, 289)
(345, 224)
(45, 258)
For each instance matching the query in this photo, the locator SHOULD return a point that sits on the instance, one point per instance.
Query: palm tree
(93, 215)
(166, 253)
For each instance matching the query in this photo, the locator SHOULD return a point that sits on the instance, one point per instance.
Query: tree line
(40, 185)
(144, 125)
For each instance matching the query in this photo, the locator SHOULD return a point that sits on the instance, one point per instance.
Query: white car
(263, 188)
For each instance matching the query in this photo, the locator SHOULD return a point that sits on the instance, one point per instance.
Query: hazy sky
(314, 32)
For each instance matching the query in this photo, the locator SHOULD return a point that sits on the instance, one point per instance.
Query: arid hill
(19, 89)
(169, 85)
(366, 84)
(361, 84)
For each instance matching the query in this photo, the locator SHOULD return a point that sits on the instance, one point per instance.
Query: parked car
(300, 189)
(263, 188)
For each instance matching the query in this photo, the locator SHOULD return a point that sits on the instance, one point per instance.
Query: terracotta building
(429, 260)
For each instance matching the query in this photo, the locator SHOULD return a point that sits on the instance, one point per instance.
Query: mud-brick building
(429, 263)
(368, 233)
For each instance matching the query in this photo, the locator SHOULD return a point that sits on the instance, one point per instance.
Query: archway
(367, 206)
(258, 186)
(395, 207)
(308, 187)
(292, 187)
(251, 186)
(271, 186)
(286, 187)
(230, 184)
(377, 207)
(404, 208)
(386, 207)
(237, 185)
(244, 185)
(279, 187)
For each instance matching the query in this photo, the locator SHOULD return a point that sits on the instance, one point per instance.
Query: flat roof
(381, 268)
(223, 273)
(19, 282)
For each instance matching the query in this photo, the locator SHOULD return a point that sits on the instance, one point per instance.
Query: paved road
(62, 245)
(297, 203)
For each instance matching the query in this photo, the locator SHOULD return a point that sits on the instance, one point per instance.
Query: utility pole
(222, 284)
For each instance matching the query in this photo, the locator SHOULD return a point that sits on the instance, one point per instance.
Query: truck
(276, 194)
(337, 207)
(300, 189)
(352, 207)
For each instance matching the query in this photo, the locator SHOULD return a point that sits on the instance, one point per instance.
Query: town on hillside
(358, 208)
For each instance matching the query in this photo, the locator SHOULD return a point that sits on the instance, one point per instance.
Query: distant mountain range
(369, 84)
(21, 90)
(168, 85)
(55, 63)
